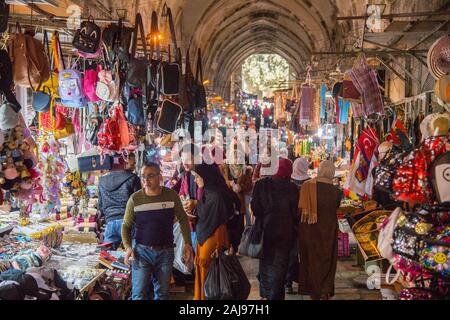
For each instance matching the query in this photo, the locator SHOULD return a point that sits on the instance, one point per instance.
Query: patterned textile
(357, 109)
(365, 81)
(307, 105)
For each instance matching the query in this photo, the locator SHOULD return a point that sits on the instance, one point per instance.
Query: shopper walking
(299, 176)
(152, 211)
(274, 205)
(319, 201)
(115, 188)
(213, 211)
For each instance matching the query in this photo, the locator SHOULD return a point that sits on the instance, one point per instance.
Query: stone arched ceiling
(228, 31)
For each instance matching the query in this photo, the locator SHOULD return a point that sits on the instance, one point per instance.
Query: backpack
(31, 67)
(136, 115)
(108, 85)
(87, 39)
(70, 85)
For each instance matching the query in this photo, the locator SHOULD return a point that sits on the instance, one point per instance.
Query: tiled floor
(349, 284)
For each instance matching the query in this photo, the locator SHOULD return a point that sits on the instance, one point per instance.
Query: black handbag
(94, 163)
(137, 67)
(88, 37)
(4, 15)
(6, 79)
(116, 36)
(93, 128)
(167, 116)
(252, 242)
(200, 92)
(170, 71)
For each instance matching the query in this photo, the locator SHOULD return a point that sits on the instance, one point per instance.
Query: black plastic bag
(226, 280)
(218, 280)
(239, 281)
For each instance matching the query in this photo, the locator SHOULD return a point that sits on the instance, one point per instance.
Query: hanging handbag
(167, 116)
(435, 253)
(109, 136)
(87, 38)
(170, 71)
(41, 100)
(117, 37)
(410, 230)
(30, 63)
(137, 68)
(68, 130)
(440, 177)
(200, 92)
(6, 80)
(94, 163)
(93, 126)
(108, 85)
(4, 15)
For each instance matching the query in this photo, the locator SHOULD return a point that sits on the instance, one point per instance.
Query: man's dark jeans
(272, 272)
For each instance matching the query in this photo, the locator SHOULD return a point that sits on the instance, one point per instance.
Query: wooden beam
(408, 52)
(425, 38)
(386, 64)
(444, 8)
(37, 9)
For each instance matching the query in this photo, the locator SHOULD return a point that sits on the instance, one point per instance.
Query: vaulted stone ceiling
(229, 31)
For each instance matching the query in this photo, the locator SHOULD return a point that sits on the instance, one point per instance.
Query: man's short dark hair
(152, 165)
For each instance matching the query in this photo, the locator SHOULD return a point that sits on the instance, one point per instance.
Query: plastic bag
(178, 261)
(226, 280)
(218, 280)
(239, 281)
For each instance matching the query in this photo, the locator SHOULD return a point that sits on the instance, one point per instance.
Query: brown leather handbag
(30, 63)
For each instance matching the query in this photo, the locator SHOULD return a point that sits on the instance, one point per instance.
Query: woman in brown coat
(319, 201)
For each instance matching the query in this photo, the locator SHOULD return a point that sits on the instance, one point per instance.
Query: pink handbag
(90, 84)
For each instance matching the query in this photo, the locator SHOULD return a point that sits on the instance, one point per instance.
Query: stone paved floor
(349, 284)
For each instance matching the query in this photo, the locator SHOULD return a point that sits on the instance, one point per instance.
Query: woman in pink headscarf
(274, 205)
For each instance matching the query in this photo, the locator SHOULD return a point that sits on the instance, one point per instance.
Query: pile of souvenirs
(415, 237)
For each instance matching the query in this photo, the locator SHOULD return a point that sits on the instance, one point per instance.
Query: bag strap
(139, 27)
(172, 31)
(154, 41)
(199, 71)
(388, 273)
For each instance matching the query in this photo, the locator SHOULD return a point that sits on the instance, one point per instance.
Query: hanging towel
(323, 100)
(344, 107)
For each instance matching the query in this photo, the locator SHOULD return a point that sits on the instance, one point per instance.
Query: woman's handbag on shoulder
(252, 242)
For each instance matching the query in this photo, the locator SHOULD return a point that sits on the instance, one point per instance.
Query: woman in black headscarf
(214, 210)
